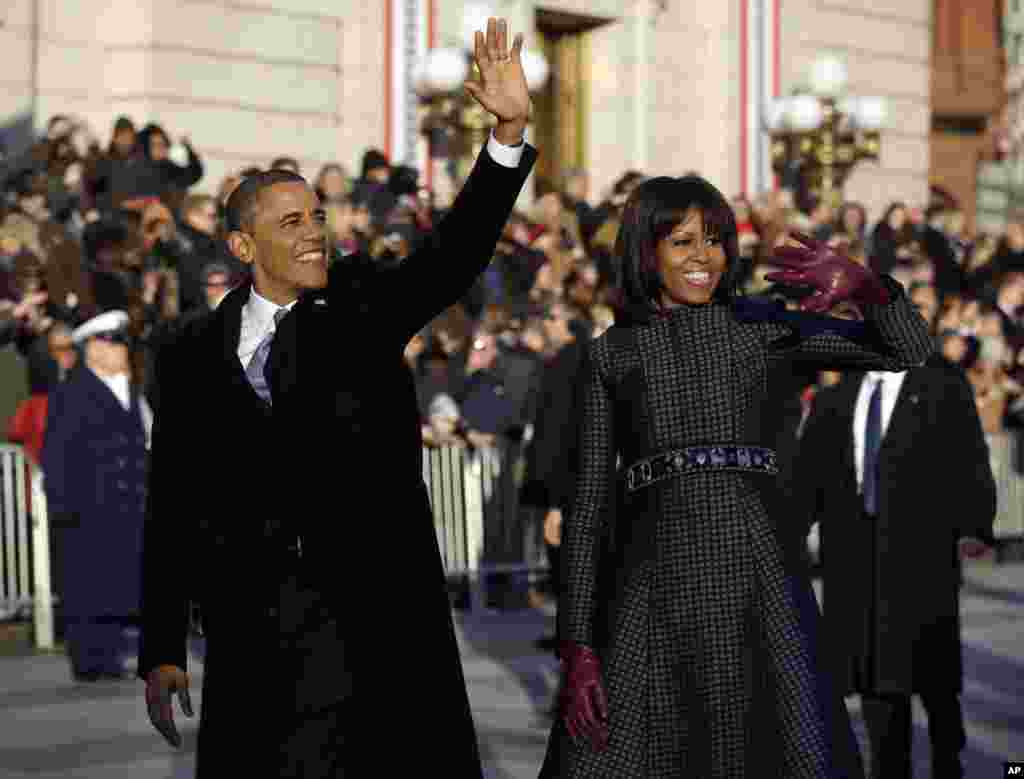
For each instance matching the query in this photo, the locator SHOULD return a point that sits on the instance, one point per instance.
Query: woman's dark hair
(148, 132)
(651, 213)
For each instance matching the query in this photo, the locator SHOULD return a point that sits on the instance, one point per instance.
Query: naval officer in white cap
(95, 461)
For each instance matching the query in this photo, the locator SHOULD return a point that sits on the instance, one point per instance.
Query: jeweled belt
(754, 459)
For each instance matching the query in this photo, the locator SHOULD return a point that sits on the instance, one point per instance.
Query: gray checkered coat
(689, 589)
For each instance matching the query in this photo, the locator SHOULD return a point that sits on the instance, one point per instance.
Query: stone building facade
(661, 85)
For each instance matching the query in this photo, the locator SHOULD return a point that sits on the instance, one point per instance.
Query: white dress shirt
(891, 383)
(257, 321)
(258, 312)
(120, 387)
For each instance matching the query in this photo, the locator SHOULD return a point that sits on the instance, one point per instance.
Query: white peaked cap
(107, 322)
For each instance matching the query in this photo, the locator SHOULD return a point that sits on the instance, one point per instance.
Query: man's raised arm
(458, 251)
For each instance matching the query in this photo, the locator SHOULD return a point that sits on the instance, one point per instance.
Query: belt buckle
(646, 473)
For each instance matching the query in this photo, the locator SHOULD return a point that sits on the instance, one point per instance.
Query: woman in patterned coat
(688, 629)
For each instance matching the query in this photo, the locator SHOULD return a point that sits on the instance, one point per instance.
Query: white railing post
(9, 583)
(42, 611)
(473, 477)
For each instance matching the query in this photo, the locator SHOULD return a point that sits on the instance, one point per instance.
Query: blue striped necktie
(872, 443)
(257, 365)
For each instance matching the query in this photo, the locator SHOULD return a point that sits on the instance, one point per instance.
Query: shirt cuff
(508, 156)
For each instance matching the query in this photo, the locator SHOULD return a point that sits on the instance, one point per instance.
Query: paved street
(51, 727)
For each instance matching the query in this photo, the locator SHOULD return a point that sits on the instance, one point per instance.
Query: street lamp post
(824, 133)
(453, 118)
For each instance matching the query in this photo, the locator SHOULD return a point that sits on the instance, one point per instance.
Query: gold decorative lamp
(825, 132)
(448, 109)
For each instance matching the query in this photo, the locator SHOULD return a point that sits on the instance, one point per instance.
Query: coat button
(122, 462)
(272, 612)
(122, 485)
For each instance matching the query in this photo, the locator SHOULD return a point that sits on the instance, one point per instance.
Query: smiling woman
(687, 626)
(679, 235)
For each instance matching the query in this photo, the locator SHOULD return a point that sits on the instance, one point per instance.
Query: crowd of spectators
(87, 226)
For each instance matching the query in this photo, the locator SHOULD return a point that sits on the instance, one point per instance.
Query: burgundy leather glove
(584, 706)
(836, 277)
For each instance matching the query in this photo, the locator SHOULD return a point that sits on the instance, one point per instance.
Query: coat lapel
(228, 324)
(850, 388)
(102, 393)
(905, 408)
(297, 334)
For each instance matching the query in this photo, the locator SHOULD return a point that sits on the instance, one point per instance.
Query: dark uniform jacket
(305, 532)
(891, 604)
(95, 465)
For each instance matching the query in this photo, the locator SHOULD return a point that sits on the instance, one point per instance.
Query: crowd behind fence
(483, 534)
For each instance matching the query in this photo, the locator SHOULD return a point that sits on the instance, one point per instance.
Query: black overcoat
(95, 464)
(695, 599)
(552, 457)
(305, 532)
(935, 485)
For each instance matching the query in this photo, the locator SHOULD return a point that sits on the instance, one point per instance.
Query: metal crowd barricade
(483, 535)
(24, 557)
(1005, 458)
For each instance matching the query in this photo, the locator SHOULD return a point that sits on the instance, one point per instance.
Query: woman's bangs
(665, 220)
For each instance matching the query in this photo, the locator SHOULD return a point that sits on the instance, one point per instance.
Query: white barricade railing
(24, 557)
(480, 528)
(1004, 457)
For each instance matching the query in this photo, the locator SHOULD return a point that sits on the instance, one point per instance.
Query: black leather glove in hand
(835, 276)
(584, 705)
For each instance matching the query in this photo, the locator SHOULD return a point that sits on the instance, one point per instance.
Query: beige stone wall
(664, 95)
(886, 45)
(248, 82)
(16, 78)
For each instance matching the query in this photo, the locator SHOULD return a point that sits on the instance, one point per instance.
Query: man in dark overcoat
(892, 569)
(94, 462)
(278, 491)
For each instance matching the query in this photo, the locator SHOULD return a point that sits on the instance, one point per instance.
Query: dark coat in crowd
(95, 464)
(949, 275)
(190, 253)
(935, 485)
(311, 547)
(552, 457)
(116, 179)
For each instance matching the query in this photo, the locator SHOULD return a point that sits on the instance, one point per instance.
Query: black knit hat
(372, 159)
(123, 123)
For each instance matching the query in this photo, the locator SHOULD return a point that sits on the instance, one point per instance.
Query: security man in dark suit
(895, 467)
(295, 393)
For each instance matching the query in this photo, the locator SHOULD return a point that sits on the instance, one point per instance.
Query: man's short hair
(243, 200)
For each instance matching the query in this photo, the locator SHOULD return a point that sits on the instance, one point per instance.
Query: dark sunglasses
(117, 337)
